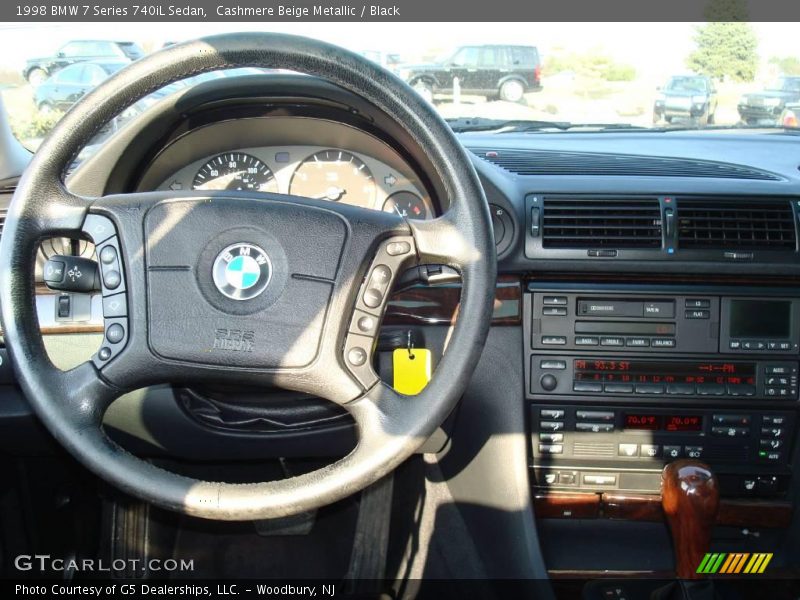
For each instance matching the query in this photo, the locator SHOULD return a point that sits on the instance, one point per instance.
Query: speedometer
(235, 171)
(335, 175)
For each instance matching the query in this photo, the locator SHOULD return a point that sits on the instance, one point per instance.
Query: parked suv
(687, 97)
(37, 70)
(506, 72)
(769, 103)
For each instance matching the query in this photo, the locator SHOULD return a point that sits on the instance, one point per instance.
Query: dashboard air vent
(3, 212)
(551, 162)
(601, 222)
(742, 223)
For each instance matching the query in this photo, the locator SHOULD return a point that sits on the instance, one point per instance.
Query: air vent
(741, 223)
(3, 212)
(548, 162)
(601, 222)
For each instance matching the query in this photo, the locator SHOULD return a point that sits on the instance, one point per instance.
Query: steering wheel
(263, 289)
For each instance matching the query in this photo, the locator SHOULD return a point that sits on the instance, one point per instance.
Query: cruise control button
(366, 324)
(373, 298)
(54, 271)
(104, 353)
(115, 306)
(380, 276)
(357, 356)
(112, 279)
(108, 255)
(115, 333)
(398, 248)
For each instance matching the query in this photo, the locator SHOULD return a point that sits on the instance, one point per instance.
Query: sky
(650, 47)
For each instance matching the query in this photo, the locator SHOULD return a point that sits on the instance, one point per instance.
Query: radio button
(649, 388)
(735, 345)
(685, 389)
(554, 300)
(554, 311)
(698, 314)
(650, 450)
(672, 451)
(553, 340)
(736, 420)
(551, 425)
(551, 437)
(659, 309)
(548, 382)
(587, 386)
(780, 370)
(619, 388)
(662, 343)
(612, 341)
(553, 365)
(711, 389)
(551, 448)
(584, 340)
(595, 415)
(595, 427)
(694, 451)
(551, 413)
(629, 450)
(741, 389)
(730, 431)
(784, 346)
(698, 303)
(637, 342)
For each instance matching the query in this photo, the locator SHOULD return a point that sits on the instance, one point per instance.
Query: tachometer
(235, 171)
(334, 175)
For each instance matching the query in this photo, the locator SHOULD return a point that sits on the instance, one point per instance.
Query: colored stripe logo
(733, 563)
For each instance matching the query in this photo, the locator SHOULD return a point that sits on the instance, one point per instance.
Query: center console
(621, 380)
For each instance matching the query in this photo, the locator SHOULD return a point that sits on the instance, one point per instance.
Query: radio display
(651, 422)
(657, 371)
(760, 318)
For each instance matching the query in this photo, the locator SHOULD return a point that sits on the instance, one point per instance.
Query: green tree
(788, 65)
(725, 49)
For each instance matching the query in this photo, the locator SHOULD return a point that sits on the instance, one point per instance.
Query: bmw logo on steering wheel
(242, 271)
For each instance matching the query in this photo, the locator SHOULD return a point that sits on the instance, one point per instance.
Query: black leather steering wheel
(327, 266)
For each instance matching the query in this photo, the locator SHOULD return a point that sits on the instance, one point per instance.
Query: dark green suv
(505, 72)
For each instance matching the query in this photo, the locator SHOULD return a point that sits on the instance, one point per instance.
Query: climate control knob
(548, 382)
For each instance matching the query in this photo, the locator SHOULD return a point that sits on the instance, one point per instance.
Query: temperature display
(656, 371)
(650, 422)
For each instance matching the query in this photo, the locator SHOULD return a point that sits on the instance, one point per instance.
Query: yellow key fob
(412, 370)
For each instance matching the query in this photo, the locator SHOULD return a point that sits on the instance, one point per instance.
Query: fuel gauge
(406, 204)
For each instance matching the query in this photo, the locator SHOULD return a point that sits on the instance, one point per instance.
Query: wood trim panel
(438, 305)
(757, 514)
(567, 505)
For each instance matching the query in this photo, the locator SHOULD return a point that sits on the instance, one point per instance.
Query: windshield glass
(510, 76)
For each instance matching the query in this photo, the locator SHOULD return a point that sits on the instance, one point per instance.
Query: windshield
(551, 77)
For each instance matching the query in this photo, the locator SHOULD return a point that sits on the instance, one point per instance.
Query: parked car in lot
(686, 97)
(506, 72)
(769, 104)
(37, 70)
(68, 85)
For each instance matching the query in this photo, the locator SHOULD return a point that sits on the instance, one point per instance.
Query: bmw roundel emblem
(242, 271)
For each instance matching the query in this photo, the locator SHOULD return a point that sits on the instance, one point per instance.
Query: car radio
(622, 381)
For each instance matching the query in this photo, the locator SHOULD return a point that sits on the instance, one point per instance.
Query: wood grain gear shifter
(690, 499)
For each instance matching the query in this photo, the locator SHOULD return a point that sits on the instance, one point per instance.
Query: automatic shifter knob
(690, 499)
